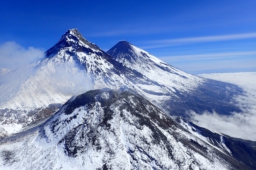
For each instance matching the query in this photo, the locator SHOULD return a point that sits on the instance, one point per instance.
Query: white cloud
(213, 65)
(210, 38)
(208, 56)
(241, 125)
(12, 55)
(181, 41)
(238, 125)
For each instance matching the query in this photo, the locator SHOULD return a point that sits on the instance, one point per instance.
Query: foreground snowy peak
(106, 129)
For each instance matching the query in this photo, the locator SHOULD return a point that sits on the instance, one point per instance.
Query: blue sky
(195, 36)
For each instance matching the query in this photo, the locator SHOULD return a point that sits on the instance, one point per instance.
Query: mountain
(74, 65)
(71, 67)
(185, 92)
(127, 127)
(153, 68)
(106, 129)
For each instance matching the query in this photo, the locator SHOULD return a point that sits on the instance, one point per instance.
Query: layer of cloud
(13, 55)
(190, 40)
(241, 125)
(238, 125)
(209, 56)
(211, 63)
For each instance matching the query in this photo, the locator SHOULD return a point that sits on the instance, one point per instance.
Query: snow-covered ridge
(153, 68)
(113, 130)
(72, 62)
(74, 66)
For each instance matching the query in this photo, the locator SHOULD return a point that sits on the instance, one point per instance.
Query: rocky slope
(106, 129)
(185, 92)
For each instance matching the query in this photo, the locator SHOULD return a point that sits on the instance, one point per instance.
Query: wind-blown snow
(42, 84)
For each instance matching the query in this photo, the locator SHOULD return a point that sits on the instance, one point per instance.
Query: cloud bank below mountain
(241, 125)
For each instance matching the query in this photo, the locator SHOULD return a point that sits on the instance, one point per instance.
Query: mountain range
(140, 119)
(74, 65)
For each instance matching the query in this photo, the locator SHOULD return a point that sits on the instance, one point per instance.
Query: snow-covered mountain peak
(152, 67)
(123, 46)
(124, 42)
(74, 35)
(74, 31)
(73, 41)
(125, 52)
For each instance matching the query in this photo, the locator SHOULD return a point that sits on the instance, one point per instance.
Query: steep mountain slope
(66, 70)
(242, 150)
(153, 68)
(186, 92)
(105, 129)
(71, 67)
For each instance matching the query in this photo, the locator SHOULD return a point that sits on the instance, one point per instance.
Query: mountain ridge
(74, 65)
(113, 127)
(115, 130)
(184, 87)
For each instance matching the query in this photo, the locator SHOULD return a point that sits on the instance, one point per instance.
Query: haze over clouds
(13, 55)
(241, 125)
